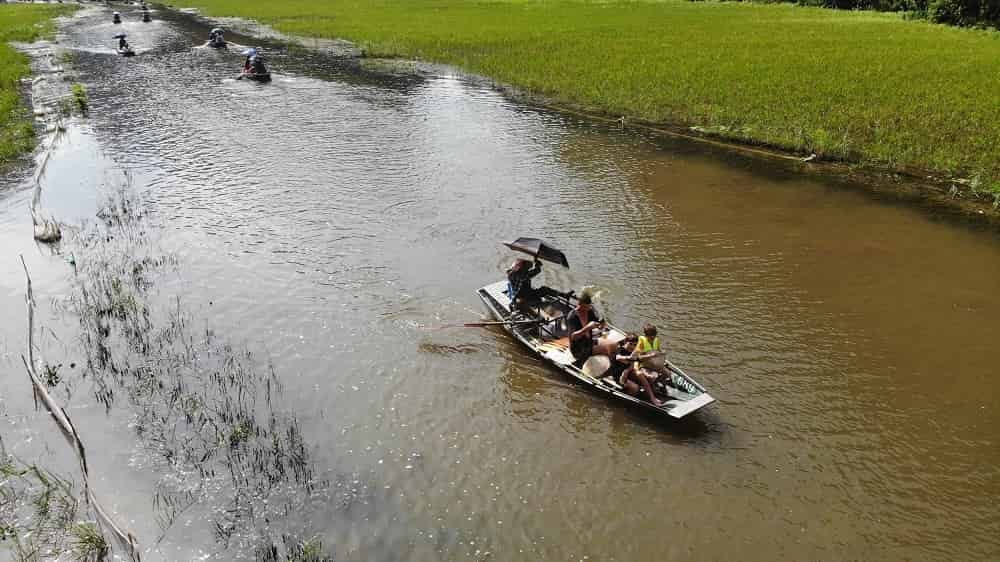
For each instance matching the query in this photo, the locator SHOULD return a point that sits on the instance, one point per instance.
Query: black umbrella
(539, 249)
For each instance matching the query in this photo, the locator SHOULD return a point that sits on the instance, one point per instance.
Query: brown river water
(327, 222)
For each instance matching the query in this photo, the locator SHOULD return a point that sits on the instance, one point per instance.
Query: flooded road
(325, 222)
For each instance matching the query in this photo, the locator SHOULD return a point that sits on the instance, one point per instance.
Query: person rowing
(519, 276)
(123, 47)
(216, 38)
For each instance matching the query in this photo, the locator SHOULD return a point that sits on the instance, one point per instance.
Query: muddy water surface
(325, 221)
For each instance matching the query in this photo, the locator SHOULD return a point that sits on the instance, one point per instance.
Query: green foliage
(983, 13)
(18, 22)
(80, 97)
(89, 544)
(965, 12)
(37, 509)
(50, 374)
(862, 86)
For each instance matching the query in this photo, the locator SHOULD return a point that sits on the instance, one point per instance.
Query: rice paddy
(18, 22)
(866, 87)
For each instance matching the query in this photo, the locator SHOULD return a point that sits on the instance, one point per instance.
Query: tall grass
(863, 86)
(18, 22)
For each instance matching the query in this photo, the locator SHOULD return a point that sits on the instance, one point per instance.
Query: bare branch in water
(126, 539)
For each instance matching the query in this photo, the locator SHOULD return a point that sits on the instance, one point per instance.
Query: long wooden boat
(543, 332)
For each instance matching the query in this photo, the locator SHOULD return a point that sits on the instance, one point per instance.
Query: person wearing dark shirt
(623, 357)
(519, 276)
(582, 321)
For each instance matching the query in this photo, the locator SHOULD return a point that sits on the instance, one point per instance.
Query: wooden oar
(484, 324)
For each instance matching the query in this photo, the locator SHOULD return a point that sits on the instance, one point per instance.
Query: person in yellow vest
(651, 362)
(625, 369)
(649, 344)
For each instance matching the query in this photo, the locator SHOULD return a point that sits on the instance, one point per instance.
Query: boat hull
(257, 77)
(688, 397)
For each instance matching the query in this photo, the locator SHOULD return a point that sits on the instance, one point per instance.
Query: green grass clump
(80, 97)
(863, 86)
(89, 544)
(18, 22)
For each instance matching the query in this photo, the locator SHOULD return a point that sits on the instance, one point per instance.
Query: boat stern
(686, 407)
(495, 298)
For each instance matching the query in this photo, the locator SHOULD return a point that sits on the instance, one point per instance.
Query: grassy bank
(18, 22)
(863, 86)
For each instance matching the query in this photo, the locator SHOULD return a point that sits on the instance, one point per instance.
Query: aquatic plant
(80, 97)
(50, 374)
(89, 545)
(37, 510)
(202, 405)
(294, 551)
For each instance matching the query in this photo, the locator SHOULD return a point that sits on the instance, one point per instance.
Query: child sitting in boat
(648, 348)
(652, 359)
(626, 370)
(623, 357)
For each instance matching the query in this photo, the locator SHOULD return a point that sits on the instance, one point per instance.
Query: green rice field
(18, 22)
(866, 87)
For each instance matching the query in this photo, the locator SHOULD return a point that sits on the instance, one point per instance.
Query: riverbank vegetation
(972, 13)
(865, 87)
(19, 22)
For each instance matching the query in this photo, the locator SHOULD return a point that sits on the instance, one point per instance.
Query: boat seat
(561, 344)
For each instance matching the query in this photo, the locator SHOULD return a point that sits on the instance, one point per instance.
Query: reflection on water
(327, 219)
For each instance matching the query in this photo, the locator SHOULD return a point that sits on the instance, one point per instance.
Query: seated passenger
(631, 379)
(582, 321)
(651, 357)
(122, 44)
(631, 376)
(649, 349)
(623, 356)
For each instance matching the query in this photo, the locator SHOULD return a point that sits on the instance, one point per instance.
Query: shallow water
(325, 221)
